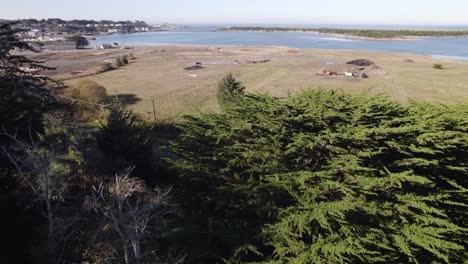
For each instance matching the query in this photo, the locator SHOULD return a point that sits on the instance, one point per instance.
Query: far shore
(352, 37)
(348, 36)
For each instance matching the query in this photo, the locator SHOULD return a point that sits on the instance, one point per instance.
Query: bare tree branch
(129, 207)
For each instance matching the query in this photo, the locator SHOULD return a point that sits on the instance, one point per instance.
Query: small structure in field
(261, 61)
(409, 61)
(105, 46)
(37, 46)
(351, 74)
(361, 62)
(197, 66)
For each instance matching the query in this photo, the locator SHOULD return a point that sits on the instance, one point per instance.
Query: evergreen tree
(79, 40)
(24, 94)
(325, 177)
(24, 97)
(229, 90)
(125, 140)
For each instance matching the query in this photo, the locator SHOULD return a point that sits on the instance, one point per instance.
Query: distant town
(55, 33)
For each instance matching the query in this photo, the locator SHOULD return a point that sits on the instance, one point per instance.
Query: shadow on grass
(128, 99)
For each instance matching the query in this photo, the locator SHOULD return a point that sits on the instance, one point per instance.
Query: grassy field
(157, 73)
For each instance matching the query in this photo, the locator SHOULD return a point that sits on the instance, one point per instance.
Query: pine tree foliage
(326, 177)
(124, 139)
(24, 93)
(229, 89)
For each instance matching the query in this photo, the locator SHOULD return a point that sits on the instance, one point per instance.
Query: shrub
(79, 40)
(438, 66)
(119, 62)
(107, 66)
(89, 91)
(124, 59)
(89, 94)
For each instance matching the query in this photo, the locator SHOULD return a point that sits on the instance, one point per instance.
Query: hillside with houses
(56, 33)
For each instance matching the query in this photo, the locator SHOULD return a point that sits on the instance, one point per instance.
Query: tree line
(369, 33)
(78, 22)
(317, 177)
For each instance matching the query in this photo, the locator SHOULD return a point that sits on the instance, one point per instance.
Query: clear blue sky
(422, 12)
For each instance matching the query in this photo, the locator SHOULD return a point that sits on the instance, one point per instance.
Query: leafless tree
(47, 172)
(129, 207)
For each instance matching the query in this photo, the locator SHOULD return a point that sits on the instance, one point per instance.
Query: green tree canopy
(325, 177)
(79, 40)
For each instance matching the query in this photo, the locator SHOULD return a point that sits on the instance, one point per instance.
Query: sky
(385, 12)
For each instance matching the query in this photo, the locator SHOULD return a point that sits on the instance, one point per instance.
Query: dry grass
(157, 74)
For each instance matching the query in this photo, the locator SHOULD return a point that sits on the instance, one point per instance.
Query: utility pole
(154, 111)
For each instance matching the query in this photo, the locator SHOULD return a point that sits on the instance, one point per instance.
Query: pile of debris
(197, 66)
(327, 72)
(356, 74)
(252, 61)
(361, 62)
(351, 74)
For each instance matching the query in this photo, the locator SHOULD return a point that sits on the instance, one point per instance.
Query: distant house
(115, 30)
(34, 33)
(60, 45)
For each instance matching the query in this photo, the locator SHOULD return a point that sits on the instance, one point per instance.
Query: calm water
(453, 48)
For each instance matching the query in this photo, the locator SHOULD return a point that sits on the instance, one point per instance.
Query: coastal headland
(362, 34)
